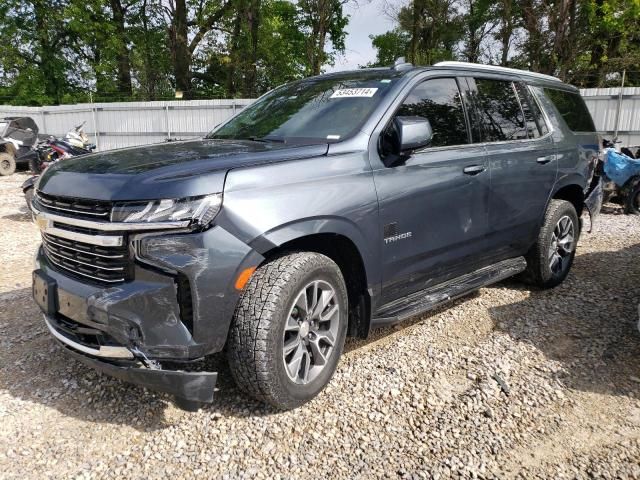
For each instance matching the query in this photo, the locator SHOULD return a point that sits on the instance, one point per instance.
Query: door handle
(547, 159)
(474, 169)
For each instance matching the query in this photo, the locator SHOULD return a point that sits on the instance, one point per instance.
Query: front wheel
(7, 164)
(288, 330)
(551, 257)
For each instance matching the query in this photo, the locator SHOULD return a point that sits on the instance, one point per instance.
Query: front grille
(100, 264)
(75, 207)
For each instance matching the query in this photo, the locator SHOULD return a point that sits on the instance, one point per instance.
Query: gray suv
(330, 206)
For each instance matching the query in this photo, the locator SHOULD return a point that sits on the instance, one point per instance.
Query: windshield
(318, 110)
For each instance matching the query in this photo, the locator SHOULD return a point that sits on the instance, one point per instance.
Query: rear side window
(536, 125)
(438, 101)
(499, 109)
(572, 108)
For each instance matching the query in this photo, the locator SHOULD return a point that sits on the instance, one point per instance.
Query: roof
(497, 69)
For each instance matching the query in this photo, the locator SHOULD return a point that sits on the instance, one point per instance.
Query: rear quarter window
(572, 108)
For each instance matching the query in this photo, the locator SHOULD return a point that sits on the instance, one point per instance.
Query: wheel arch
(572, 193)
(8, 147)
(337, 240)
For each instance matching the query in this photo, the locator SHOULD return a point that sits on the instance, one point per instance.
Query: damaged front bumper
(174, 310)
(127, 364)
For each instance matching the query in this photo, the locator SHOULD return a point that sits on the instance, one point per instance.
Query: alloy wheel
(311, 331)
(562, 245)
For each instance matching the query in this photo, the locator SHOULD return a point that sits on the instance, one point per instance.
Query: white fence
(603, 103)
(116, 125)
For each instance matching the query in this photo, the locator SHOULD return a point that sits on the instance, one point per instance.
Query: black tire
(35, 165)
(256, 339)
(28, 197)
(632, 202)
(539, 271)
(7, 164)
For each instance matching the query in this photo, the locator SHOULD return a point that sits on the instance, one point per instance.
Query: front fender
(321, 225)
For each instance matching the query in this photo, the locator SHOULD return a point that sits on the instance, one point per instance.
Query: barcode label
(354, 93)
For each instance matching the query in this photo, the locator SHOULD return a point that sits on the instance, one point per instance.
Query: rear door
(433, 206)
(522, 160)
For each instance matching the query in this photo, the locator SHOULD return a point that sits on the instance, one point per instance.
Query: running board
(429, 298)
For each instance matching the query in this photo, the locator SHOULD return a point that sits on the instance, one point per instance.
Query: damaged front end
(136, 301)
(190, 389)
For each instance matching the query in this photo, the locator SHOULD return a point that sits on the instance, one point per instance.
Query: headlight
(201, 210)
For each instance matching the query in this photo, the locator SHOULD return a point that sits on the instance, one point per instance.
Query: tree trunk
(415, 31)
(181, 53)
(122, 55)
(234, 50)
(52, 84)
(251, 78)
(506, 31)
(534, 42)
(150, 76)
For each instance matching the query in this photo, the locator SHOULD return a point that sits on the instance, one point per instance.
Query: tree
(322, 20)
(390, 46)
(35, 34)
(433, 29)
(199, 18)
(479, 23)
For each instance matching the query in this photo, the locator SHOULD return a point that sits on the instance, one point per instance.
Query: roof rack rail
(495, 68)
(401, 64)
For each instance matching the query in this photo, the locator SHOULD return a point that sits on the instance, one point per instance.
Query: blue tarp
(620, 168)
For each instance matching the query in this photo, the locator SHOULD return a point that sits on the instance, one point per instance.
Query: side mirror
(413, 133)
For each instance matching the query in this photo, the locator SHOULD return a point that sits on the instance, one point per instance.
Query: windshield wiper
(265, 139)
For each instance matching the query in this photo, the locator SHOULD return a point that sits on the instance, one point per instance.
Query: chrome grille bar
(48, 239)
(86, 275)
(75, 260)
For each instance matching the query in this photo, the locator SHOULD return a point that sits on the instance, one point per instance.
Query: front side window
(499, 110)
(572, 108)
(439, 101)
(319, 110)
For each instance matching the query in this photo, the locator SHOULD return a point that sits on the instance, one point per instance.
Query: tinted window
(532, 114)
(499, 109)
(572, 108)
(439, 101)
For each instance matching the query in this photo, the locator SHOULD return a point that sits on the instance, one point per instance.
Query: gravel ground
(423, 400)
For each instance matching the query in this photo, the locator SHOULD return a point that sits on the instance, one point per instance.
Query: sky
(365, 19)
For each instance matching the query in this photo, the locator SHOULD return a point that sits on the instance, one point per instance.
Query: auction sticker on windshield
(354, 93)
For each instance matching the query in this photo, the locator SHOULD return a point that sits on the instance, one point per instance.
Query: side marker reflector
(244, 277)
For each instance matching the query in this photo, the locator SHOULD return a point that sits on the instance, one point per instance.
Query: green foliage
(390, 45)
(67, 51)
(581, 41)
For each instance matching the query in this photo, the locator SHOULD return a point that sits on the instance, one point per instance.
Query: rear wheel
(551, 257)
(7, 164)
(632, 203)
(289, 329)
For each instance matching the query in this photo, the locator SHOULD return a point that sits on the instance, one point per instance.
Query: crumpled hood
(167, 170)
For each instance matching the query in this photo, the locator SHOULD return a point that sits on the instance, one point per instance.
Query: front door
(434, 205)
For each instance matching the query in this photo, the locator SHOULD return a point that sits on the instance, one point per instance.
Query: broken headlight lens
(200, 210)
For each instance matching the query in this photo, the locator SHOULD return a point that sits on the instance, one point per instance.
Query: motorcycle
(52, 150)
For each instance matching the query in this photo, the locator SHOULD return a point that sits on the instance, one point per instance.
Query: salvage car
(18, 135)
(330, 206)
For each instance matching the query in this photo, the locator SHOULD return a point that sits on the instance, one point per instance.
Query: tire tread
(249, 356)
